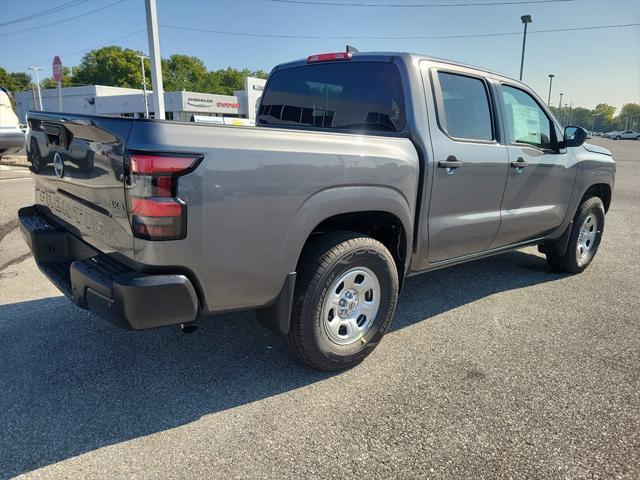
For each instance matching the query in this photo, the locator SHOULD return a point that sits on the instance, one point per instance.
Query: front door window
(526, 122)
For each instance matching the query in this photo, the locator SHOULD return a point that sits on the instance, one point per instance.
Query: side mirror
(574, 136)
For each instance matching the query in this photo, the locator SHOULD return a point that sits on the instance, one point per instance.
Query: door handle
(450, 163)
(519, 163)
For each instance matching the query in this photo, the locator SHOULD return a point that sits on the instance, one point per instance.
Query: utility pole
(526, 19)
(154, 52)
(551, 75)
(144, 86)
(35, 69)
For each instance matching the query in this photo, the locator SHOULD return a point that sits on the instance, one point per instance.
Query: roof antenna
(351, 49)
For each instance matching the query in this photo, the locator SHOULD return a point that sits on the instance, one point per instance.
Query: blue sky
(591, 66)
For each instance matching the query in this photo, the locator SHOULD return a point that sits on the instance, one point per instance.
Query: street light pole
(593, 124)
(560, 110)
(144, 86)
(551, 75)
(154, 52)
(35, 69)
(526, 19)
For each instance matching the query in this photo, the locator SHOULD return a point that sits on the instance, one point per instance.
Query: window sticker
(526, 124)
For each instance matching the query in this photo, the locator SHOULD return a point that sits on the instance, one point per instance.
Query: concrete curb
(14, 161)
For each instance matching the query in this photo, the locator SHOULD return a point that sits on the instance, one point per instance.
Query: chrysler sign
(199, 102)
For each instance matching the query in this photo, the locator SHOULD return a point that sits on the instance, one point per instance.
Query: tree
(182, 72)
(581, 117)
(230, 80)
(114, 66)
(604, 120)
(15, 81)
(67, 79)
(21, 81)
(260, 74)
(628, 117)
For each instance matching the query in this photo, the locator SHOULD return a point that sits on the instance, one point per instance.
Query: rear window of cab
(358, 96)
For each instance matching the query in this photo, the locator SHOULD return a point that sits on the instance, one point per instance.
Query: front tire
(618, 137)
(584, 240)
(345, 298)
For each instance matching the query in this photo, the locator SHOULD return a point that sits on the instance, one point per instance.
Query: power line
(42, 13)
(374, 37)
(61, 21)
(109, 42)
(417, 5)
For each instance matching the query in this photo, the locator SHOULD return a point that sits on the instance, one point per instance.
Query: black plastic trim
(100, 283)
(277, 316)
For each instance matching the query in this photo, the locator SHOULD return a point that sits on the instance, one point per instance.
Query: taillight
(157, 213)
(329, 57)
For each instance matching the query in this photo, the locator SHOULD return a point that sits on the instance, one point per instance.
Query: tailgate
(78, 166)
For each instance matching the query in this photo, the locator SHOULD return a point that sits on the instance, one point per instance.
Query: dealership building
(129, 102)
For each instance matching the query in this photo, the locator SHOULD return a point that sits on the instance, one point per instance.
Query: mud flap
(277, 316)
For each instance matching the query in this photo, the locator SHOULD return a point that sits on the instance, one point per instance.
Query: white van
(11, 137)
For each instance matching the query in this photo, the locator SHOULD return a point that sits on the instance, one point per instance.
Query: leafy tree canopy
(67, 80)
(120, 67)
(14, 82)
(115, 66)
(181, 72)
(605, 111)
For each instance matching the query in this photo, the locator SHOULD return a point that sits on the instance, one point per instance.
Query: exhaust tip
(188, 327)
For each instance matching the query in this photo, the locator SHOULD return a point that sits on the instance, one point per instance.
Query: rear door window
(359, 96)
(463, 108)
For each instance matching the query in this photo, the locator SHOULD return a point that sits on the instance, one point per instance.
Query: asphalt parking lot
(494, 369)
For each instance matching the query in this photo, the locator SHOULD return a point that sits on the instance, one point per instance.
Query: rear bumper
(97, 282)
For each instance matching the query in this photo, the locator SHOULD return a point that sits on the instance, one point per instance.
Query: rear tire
(345, 298)
(618, 137)
(584, 240)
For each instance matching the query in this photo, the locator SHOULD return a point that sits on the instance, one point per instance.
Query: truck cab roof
(406, 57)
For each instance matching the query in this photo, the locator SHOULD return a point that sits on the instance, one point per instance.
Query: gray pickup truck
(363, 169)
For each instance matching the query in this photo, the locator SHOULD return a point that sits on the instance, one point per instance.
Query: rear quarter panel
(259, 193)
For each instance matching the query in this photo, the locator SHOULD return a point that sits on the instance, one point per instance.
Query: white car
(627, 135)
(11, 137)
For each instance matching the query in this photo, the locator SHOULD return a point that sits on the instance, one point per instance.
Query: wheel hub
(587, 236)
(348, 303)
(351, 305)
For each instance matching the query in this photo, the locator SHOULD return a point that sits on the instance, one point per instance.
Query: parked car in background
(611, 134)
(362, 170)
(627, 135)
(11, 137)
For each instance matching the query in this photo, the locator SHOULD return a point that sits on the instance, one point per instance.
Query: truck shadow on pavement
(71, 383)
